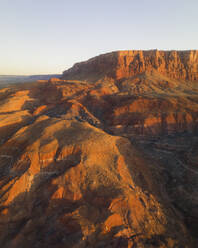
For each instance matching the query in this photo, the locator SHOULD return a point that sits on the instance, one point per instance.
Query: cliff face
(125, 64)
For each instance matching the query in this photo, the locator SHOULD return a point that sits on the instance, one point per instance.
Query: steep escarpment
(125, 64)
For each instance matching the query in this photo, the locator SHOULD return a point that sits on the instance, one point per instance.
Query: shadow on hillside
(36, 219)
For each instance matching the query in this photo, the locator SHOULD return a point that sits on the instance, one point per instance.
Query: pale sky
(49, 36)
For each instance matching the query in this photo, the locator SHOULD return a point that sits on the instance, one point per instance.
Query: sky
(49, 36)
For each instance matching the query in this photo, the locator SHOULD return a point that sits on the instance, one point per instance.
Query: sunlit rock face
(125, 64)
(105, 157)
(154, 89)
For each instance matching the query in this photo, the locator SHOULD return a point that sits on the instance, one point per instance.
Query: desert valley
(104, 156)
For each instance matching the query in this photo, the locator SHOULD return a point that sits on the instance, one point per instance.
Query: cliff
(125, 64)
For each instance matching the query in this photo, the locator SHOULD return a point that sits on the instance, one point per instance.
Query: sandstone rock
(125, 64)
(78, 183)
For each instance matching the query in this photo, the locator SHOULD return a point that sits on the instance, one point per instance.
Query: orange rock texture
(72, 185)
(89, 160)
(125, 64)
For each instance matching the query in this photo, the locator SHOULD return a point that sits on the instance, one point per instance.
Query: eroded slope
(68, 184)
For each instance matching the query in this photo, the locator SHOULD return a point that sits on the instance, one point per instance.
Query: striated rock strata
(125, 64)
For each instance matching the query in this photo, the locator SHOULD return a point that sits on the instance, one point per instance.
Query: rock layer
(125, 64)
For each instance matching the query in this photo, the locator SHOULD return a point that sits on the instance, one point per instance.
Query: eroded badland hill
(105, 156)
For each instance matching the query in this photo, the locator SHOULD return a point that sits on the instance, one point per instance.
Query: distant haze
(47, 37)
(6, 80)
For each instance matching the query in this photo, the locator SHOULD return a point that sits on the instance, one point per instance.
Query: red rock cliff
(124, 64)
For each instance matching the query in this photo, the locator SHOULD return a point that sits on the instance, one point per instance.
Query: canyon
(105, 156)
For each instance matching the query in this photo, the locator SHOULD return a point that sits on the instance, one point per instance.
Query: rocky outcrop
(68, 184)
(124, 64)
